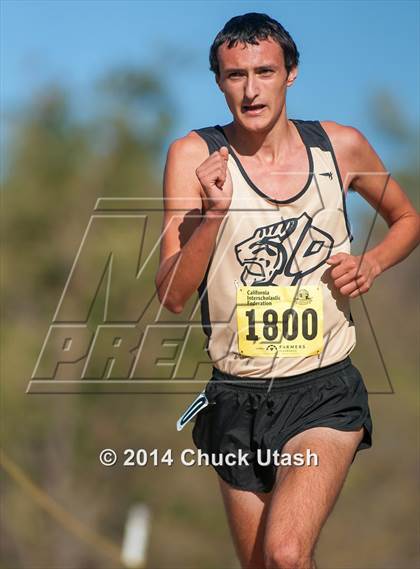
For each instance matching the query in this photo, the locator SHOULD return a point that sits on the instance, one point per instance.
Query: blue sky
(349, 49)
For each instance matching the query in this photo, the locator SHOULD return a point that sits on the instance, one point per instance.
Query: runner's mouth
(252, 109)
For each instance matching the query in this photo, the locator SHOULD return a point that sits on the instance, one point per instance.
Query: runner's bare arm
(362, 170)
(188, 237)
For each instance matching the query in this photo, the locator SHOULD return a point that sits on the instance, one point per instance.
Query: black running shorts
(243, 414)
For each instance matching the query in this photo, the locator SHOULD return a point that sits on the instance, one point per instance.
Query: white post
(136, 534)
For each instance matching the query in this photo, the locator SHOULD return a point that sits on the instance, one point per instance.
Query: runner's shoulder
(345, 138)
(190, 149)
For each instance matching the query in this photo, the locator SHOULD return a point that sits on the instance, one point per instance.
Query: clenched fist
(216, 182)
(353, 275)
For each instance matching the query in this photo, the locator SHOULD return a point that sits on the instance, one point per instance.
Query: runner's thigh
(303, 496)
(246, 513)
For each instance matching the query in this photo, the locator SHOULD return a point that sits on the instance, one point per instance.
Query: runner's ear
(293, 73)
(217, 77)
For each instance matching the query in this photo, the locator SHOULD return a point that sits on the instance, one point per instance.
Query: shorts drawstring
(270, 403)
(254, 404)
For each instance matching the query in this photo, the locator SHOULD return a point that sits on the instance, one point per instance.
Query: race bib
(279, 321)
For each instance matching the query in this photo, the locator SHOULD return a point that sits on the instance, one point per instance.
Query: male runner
(255, 220)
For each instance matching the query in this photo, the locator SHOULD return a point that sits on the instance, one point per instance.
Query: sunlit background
(92, 94)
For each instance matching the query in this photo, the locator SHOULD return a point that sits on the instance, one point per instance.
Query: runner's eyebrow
(267, 66)
(234, 69)
(243, 70)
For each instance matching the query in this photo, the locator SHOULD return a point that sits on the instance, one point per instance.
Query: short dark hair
(249, 28)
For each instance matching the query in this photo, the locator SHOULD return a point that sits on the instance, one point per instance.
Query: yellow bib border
(279, 321)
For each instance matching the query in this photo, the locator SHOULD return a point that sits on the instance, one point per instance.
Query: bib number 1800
(289, 325)
(280, 321)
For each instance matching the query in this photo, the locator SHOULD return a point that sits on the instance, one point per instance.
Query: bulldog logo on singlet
(282, 248)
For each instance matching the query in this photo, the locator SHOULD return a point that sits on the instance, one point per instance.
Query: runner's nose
(251, 89)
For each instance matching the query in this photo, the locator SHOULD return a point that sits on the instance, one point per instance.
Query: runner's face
(254, 80)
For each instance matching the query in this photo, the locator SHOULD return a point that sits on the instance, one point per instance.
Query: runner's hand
(215, 179)
(353, 275)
